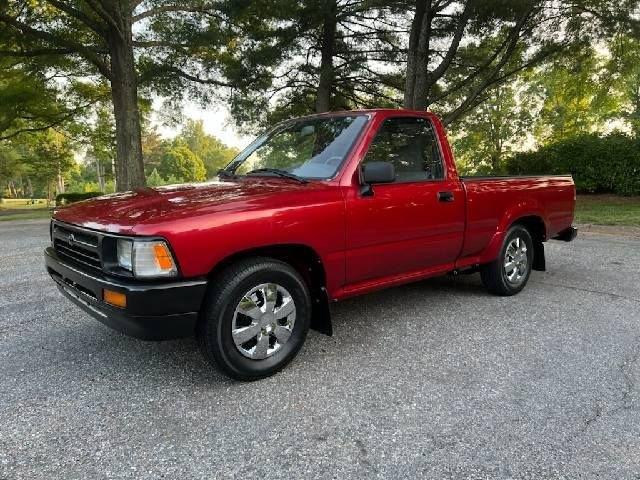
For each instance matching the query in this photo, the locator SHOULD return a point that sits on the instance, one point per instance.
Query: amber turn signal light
(162, 256)
(116, 299)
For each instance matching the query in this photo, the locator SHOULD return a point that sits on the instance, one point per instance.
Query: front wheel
(510, 273)
(256, 318)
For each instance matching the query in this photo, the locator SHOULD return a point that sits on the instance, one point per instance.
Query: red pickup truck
(316, 210)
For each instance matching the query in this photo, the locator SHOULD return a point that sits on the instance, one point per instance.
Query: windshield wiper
(280, 173)
(222, 173)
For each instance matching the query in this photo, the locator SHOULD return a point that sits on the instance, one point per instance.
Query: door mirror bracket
(366, 190)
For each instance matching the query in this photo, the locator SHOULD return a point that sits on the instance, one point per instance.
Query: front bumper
(154, 311)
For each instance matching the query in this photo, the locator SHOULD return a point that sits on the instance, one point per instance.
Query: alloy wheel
(516, 261)
(263, 321)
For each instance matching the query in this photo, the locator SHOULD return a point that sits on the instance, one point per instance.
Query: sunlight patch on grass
(22, 203)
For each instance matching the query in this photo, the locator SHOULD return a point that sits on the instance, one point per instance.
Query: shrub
(180, 162)
(71, 197)
(609, 164)
(154, 179)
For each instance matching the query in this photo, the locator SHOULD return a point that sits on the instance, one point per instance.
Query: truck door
(415, 223)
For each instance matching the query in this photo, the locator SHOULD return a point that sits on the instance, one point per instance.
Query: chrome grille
(79, 245)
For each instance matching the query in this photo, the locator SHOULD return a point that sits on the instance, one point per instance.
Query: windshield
(311, 148)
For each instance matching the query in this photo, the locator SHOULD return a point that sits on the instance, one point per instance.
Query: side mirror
(378, 172)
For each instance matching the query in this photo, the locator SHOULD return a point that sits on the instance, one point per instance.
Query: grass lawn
(22, 203)
(608, 210)
(23, 209)
(26, 214)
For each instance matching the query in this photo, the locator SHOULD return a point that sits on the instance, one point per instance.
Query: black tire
(495, 278)
(226, 291)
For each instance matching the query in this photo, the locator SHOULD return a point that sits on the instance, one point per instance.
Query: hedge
(71, 197)
(609, 164)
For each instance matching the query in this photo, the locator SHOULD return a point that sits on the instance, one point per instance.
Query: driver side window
(411, 145)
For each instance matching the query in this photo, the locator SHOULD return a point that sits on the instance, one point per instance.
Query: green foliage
(609, 164)
(624, 76)
(576, 96)
(154, 179)
(184, 157)
(10, 163)
(49, 155)
(147, 47)
(368, 62)
(32, 103)
(583, 92)
(57, 70)
(36, 165)
(283, 62)
(153, 147)
(214, 154)
(101, 154)
(72, 197)
(484, 138)
(81, 186)
(181, 162)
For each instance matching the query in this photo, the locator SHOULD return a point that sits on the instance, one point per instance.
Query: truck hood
(121, 212)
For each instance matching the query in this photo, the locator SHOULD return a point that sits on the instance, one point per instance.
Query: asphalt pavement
(432, 380)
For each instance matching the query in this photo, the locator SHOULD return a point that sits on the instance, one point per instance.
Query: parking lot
(432, 380)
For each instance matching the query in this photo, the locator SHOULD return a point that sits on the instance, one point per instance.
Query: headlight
(125, 251)
(146, 259)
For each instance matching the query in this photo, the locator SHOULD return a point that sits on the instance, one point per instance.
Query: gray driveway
(432, 380)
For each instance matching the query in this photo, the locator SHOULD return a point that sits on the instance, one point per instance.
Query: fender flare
(309, 265)
(522, 210)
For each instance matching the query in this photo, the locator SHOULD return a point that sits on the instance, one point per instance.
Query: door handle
(445, 196)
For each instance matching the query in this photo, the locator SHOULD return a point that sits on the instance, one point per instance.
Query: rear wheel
(510, 273)
(256, 318)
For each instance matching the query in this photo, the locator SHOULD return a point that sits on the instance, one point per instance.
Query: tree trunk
(59, 180)
(12, 190)
(325, 86)
(422, 61)
(100, 175)
(124, 93)
(415, 94)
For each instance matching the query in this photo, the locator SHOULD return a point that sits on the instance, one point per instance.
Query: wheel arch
(537, 228)
(306, 261)
(535, 224)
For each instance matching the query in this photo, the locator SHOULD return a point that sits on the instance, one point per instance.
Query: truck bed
(549, 197)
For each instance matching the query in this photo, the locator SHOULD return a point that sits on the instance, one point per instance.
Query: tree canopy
(131, 47)
(90, 70)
